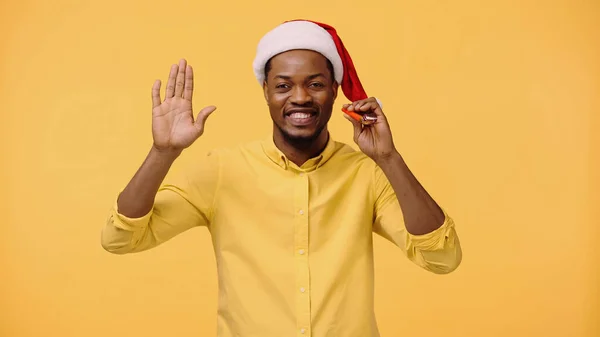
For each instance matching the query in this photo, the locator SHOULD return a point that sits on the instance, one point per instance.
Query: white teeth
(300, 115)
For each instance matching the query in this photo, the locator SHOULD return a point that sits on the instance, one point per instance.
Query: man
(291, 217)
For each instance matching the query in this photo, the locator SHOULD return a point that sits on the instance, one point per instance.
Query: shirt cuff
(436, 239)
(126, 223)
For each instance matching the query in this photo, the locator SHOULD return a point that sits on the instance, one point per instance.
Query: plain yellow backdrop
(492, 104)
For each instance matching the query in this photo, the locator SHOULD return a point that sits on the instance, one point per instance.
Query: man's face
(300, 90)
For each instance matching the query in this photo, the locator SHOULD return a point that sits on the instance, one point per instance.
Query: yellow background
(492, 104)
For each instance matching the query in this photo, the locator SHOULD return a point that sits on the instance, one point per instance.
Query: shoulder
(240, 147)
(347, 157)
(347, 154)
(237, 151)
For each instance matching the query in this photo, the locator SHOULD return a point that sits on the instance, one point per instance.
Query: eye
(281, 86)
(317, 84)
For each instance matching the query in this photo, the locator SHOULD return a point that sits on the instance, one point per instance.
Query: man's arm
(145, 214)
(412, 221)
(422, 214)
(153, 209)
(127, 227)
(137, 199)
(404, 212)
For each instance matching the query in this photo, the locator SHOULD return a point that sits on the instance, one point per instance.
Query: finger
(348, 107)
(203, 115)
(156, 94)
(368, 100)
(179, 83)
(358, 105)
(357, 126)
(376, 107)
(189, 83)
(171, 82)
(370, 106)
(366, 106)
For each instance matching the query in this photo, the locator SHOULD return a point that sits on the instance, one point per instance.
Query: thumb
(203, 115)
(356, 125)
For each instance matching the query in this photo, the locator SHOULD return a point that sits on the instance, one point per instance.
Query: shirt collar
(279, 158)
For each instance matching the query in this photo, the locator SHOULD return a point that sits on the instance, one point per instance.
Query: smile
(301, 118)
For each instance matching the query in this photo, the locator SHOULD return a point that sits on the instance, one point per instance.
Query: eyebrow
(313, 76)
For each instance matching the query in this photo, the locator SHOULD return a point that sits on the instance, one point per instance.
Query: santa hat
(315, 36)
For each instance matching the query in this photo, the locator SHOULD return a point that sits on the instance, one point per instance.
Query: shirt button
(302, 331)
(301, 251)
(301, 212)
(302, 290)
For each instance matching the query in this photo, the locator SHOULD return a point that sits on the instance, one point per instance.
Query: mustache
(302, 109)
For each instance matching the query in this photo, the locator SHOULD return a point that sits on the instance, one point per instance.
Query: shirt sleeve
(185, 200)
(438, 251)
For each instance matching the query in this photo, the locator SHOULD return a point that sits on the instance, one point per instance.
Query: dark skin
(301, 79)
(298, 80)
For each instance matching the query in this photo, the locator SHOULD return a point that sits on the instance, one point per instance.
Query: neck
(299, 151)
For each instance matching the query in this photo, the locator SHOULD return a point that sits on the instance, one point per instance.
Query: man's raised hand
(173, 124)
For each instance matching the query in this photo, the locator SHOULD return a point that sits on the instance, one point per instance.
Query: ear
(266, 91)
(335, 88)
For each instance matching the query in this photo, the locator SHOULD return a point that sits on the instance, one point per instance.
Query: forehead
(299, 62)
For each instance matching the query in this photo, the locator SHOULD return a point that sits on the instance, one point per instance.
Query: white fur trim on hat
(296, 35)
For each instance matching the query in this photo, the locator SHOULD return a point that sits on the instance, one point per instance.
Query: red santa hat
(311, 35)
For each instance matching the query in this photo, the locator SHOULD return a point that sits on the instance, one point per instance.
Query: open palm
(173, 124)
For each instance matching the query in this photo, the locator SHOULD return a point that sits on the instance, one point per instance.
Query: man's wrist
(164, 155)
(391, 160)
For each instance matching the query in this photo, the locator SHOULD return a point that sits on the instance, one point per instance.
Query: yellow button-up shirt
(293, 245)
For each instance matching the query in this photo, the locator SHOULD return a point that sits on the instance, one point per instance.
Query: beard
(300, 141)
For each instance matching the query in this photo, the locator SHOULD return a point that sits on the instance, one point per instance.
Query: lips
(301, 117)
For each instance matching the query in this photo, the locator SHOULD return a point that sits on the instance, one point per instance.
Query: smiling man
(292, 216)
(300, 90)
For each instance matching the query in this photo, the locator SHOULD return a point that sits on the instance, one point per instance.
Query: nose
(300, 96)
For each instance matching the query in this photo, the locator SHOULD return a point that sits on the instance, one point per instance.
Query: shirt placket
(301, 253)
